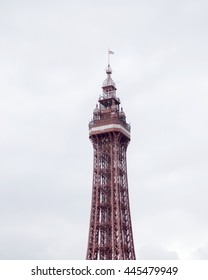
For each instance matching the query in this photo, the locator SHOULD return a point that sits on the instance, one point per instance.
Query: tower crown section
(108, 116)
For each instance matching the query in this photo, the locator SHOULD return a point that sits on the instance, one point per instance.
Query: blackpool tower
(110, 230)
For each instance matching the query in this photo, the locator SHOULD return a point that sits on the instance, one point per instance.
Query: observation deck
(110, 124)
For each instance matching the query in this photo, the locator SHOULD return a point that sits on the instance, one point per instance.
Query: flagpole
(109, 52)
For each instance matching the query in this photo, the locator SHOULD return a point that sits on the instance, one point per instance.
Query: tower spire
(108, 83)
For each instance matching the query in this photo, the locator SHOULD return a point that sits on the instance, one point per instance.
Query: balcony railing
(114, 120)
(111, 94)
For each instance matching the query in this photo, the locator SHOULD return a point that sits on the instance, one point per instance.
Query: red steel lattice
(110, 232)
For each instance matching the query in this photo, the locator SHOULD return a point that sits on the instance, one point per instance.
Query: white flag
(110, 52)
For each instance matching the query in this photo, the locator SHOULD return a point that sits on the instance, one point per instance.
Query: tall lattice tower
(110, 232)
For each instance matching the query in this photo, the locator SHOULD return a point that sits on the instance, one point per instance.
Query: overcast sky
(53, 56)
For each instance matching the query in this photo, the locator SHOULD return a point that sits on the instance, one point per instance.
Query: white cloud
(152, 252)
(201, 253)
